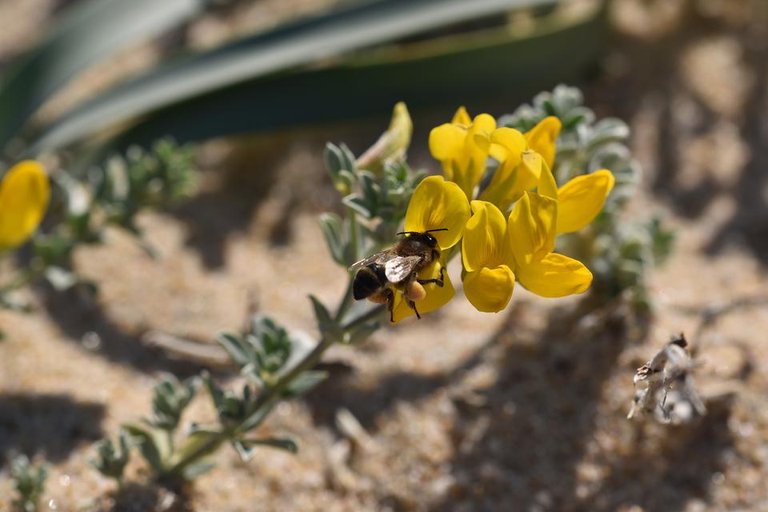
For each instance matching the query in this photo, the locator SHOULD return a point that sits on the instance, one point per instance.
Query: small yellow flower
(435, 204)
(392, 145)
(460, 148)
(519, 169)
(542, 138)
(581, 199)
(487, 257)
(496, 251)
(438, 204)
(532, 227)
(24, 195)
(437, 296)
(525, 162)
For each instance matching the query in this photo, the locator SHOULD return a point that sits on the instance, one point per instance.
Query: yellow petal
(483, 244)
(489, 289)
(511, 178)
(400, 131)
(543, 137)
(506, 144)
(531, 228)
(438, 204)
(483, 123)
(581, 199)
(461, 117)
(555, 275)
(532, 162)
(24, 195)
(436, 297)
(470, 166)
(446, 142)
(547, 184)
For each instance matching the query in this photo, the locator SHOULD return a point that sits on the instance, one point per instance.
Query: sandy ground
(523, 410)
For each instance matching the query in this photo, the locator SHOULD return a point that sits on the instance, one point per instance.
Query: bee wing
(379, 257)
(400, 267)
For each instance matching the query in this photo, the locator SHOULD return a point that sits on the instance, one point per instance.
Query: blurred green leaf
(305, 382)
(153, 444)
(245, 446)
(332, 227)
(88, 32)
(29, 481)
(210, 94)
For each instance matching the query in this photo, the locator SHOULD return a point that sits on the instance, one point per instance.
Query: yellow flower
(435, 204)
(542, 138)
(487, 257)
(519, 168)
(460, 148)
(581, 199)
(532, 227)
(525, 162)
(392, 145)
(24, 195)
(438, 204)
(437, 296)
(495, 252)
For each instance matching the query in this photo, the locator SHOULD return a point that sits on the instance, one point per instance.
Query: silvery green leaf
(361, 333)
(358, 204)
(274, 442)
(200, 442)
(324, 319)
(608, 130)
(305, 382)
(60, 278)
(195, 470)
(333, 160)
(577, 116)
(234, 347)
(347, 159)
(565, 98)
(370, 188)
(217, 394)
(347, 178)
(302, 343)
(170, 398)
(244, 452)
(152, 444)
(256, 418)
(331, 226)
(111, 461)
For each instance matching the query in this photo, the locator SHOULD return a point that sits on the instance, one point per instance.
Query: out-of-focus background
(522, 410)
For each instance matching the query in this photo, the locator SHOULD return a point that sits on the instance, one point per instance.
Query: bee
(398, 266)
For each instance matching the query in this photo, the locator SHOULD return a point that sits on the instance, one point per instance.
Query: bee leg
(412, 305)
(390, 296)
(438, 281)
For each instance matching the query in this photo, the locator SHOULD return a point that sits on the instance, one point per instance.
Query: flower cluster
(24, 196)
(506, 218)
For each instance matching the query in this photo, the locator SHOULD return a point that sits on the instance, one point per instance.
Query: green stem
(271, 396)
(353, 234)
(346, 301)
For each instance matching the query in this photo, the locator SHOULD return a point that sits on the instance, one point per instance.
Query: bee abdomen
(368, 281)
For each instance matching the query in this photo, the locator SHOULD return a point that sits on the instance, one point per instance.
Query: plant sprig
(619, 253)
(276, 364)
(111, 195)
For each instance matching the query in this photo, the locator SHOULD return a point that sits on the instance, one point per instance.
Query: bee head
(423, 236)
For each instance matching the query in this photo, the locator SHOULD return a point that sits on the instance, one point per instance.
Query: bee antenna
(419, 232)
